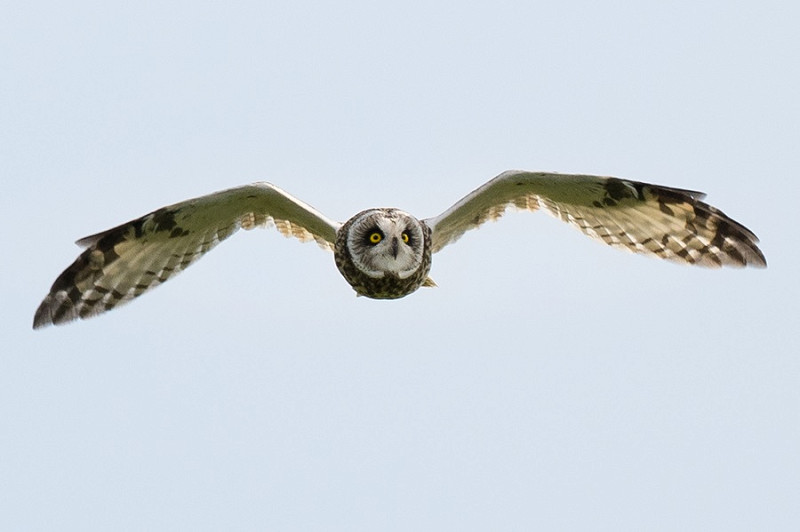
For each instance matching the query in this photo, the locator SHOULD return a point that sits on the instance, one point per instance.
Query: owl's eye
(375, 237)
(405, 238)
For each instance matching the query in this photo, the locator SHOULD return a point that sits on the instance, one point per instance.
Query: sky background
(549, 382)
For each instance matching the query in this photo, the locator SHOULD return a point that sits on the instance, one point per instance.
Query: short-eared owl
(386, 253)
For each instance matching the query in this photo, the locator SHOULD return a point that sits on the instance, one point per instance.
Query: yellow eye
(375, 238)
(404, 236)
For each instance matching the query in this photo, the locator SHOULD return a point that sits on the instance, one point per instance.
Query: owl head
(383, 253)
(385, 242)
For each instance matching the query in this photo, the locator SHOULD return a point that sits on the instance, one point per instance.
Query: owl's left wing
(124, 262)
(665, 222)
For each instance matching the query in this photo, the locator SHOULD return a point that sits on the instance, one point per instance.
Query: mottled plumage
(386, 253)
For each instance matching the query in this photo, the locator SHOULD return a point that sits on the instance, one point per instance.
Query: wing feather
(669, 223)
(124, 262)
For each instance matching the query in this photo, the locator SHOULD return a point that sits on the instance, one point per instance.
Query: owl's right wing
(665, 222)
(124, 262)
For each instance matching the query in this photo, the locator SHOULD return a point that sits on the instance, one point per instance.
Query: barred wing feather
(665, 222)
(124, 262)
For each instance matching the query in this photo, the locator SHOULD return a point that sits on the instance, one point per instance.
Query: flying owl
(386, 253)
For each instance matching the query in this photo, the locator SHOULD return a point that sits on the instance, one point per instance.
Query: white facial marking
(393, 254)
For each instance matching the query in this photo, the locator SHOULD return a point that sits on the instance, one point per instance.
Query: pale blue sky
(548, 383)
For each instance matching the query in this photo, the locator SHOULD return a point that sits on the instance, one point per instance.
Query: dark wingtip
(55, 309)
(43, 316)
(759, 260)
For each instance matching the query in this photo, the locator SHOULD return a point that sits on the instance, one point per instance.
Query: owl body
(387, 253)
(384, 253)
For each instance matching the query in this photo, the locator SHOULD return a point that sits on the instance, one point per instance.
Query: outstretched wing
(669, 223)
(126, 261)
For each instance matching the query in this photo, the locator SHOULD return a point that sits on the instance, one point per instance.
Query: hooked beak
(395, 246)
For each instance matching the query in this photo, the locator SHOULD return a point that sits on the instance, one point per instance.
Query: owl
(386, 253)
